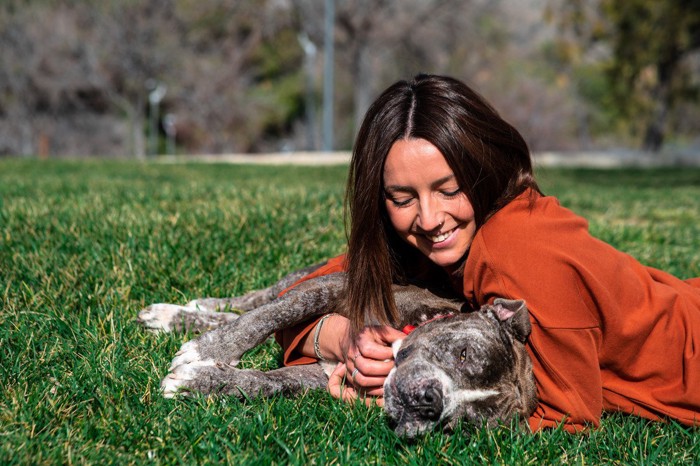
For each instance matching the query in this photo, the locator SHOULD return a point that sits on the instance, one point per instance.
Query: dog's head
(472, 366)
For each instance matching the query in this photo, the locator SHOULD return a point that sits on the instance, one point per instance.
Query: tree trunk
(661, 100)
(655, 131)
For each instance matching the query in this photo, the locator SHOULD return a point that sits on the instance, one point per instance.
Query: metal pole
(152, 127)
(328, 45)
(309, 62)
(157, 93)
(169, 124)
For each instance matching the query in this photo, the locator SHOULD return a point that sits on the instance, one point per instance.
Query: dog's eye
(463, 355)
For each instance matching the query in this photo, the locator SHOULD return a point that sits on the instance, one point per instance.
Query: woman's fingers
(371, 367)
(368, 361)
(374, 392)
(340, 386)
(366, 372)
(375, 342)
(361, 380)
(337, 386)
(370, 358)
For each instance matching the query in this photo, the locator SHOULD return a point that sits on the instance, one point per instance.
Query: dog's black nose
(431, 405)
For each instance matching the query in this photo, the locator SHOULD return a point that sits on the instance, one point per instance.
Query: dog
(454, 364)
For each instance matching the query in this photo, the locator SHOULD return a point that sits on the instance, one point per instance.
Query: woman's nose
(430, 215)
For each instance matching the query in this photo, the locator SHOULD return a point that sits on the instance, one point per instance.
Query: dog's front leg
(227, 380)
(225, 345)
(203, 314)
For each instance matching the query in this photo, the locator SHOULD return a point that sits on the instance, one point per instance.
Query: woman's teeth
(440, 238)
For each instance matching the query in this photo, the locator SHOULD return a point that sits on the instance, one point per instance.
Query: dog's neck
(409, 328)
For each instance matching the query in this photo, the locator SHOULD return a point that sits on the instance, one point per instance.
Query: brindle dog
(457, 364)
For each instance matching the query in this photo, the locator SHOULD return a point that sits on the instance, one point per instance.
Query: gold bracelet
(317, 348)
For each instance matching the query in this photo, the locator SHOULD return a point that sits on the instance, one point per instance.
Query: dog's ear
(513, 312)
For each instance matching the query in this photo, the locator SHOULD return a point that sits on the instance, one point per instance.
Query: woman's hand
(366, 362)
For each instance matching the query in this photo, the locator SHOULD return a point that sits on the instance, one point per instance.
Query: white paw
(178, 379)
(160, 317)
(187, 354)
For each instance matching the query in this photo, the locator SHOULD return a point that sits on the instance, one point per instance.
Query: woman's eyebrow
(398, 188)
(443, 180)
(434, 184)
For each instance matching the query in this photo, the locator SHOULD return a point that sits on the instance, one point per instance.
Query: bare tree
(76, 74)
(15, 84)
(93, 67)
(651, 46)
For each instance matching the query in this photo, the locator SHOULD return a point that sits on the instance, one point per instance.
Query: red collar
(409, 328)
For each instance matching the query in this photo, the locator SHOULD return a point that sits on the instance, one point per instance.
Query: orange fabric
(608, 333)
(290, 339)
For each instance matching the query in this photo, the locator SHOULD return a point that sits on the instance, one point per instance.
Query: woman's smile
(442, 239)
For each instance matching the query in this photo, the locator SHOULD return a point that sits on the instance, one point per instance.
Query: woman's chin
(446, 261)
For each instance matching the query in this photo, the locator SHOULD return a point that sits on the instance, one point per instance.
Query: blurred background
(136, 78)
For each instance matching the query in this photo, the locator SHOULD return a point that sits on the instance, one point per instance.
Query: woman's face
(425, 204)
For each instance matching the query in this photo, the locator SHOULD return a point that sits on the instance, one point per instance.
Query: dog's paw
(184, 378)
(163, 317)
(183, 369)
(187, 354)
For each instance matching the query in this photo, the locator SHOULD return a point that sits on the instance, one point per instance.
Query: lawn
(85, 245)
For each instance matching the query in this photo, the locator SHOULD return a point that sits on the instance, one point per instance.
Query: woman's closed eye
(403, 200)
(451, 193)
(399, 200)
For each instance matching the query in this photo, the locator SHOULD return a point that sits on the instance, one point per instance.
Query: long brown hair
(488, 156)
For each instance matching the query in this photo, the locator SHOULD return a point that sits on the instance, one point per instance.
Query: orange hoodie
(608, 333)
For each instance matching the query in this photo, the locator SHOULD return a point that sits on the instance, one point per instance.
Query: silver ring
(354, 373)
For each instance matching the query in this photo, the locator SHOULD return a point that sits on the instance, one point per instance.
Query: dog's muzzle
(414, 401)
(424, 398)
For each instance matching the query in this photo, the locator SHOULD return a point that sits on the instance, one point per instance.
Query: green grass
(85, 245)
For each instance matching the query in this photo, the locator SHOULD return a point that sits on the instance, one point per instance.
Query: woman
(442, 188)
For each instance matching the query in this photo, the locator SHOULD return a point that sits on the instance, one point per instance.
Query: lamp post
(155, 96)
(309, 49)
(328, 45)
(169, 125)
